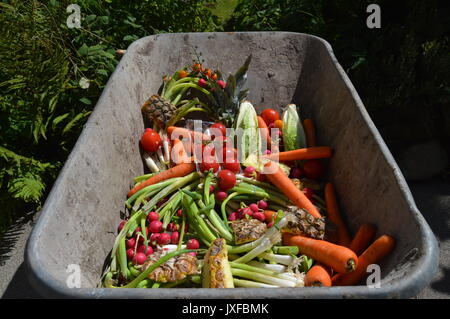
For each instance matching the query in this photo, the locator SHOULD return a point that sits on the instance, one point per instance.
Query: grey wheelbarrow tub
(78, 222)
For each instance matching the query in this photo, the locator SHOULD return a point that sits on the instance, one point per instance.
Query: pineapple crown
(226, 101)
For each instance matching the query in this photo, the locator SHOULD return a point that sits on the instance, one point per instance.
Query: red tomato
(235, 167)
(228, 155)
(221, 127)
(227, 179)
(151, 141)
(209, 163)
(270, 116)
(314, 169)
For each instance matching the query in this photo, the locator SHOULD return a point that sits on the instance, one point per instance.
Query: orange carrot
(278, 178)
(334, 215)
(302, 154)
(179, 170)
(318, 276)
(310, 132)
(179, 153)
(363, 238)
(340, 258)
(374, 254)
(264, 131)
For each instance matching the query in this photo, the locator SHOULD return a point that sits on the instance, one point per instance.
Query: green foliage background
(43, 107)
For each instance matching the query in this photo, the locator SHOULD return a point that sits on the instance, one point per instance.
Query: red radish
(172, 227)
(211, 188)
(227, 179)
(141, 238)
(271, 125)
(151, 141)
(296, 172)
(154, 238)
(139, 259)
(249, 171)
(234, 166)
(141, 249)
(314, 169)
(152, 216)
(308, 192)
(180, 213)
(222, 84)
(130, 253)
(122, 223)
(131, 243)
(219, 126)
(192, 253)
(254, 207)
(164, 239)
(240, 213)
(267, 152)
(260, 177)
(262, 204)
(232, 216)
(247, 211)
(192, 244)
(175, 237)
(270, 116)
(137, 230)
(202, 83)
(259, 216)
(220, 196)
(155, 226)
(269, 225)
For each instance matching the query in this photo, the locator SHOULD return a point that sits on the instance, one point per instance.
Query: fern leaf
(29, 188)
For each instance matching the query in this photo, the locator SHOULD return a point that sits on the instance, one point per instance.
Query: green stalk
(172, 91)
(171, 188)
(286, 250)
(222, 207)
(262, 278)
(183, 226)
(192, 210)
(142, 178)
(251, 284)
(149, 188)
(196, 279)
(216, 222)
(122, 258)
(206, 185)
(247, 267)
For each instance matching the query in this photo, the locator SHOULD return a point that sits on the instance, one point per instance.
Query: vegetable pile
(239, 202)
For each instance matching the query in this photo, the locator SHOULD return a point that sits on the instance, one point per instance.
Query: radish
(308, 192)
(232, 216)
(262, 204)
(296, 172)
(222, 84)
(259, 216)
(175, 237)
(164, 239)
(254, 207)
(172, 227)
(154, 238)
(267, 152)
(141, 249)
(202, 83)
(180, 213)
(139, 259)
(220, 196)
(249, 171)
(155, 226)
(211, 188)
(247, 211)
(152, 216)
(130, 253)
(122, 223)
(131, 243)
(193, 244)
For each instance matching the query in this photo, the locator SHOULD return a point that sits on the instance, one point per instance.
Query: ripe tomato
(270, 116)
(278, 124)
(235, 167)
(151, 140)
(314, 169)
(219, 126)
(182, 74)
(209, 163)
(227, 179)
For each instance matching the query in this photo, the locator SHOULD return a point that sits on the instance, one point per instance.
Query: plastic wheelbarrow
(78, 222)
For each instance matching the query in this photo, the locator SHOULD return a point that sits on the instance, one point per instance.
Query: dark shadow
(443, 285)
(10, 237)
(19, 286)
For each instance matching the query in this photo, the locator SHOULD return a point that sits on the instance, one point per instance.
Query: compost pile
(238, 200)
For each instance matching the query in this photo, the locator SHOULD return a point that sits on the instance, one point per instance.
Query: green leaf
(59, 119)
(73, 123)
(29, 188)
(102, 72)
(85, 100)
(84, 50)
